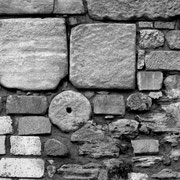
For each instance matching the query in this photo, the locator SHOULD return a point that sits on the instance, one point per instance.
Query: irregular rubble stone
(80, 172)
(2, 145)
(87, 134)
(6, 125)
(31, 125)
(164, 25)
(124, 127)
(54, 147)
(163, 60)
(51, 170)
(21, 167)
(145, 24)
(141, 59)
(69, 110)
(109, 104)
(172, 138)
(69, 7)
(26, 104)
(28, 41)
(96, 60)
(130, 9)
(26, 7)
(137, 176)
(145, 146)
(146, 161)
(151, 39)
(172, 86)
(166, 174)
(173, 39)
(149, 80)
(107, 148)
(175, 154)
(111, 163)
(155, 95)
(139, 102)
(25, 145)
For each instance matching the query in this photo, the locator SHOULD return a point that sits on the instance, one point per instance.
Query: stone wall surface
(89, 89)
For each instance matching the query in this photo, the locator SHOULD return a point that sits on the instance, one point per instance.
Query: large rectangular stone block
(21, 167)
(103, 56)
(163, 60)
(33, 53)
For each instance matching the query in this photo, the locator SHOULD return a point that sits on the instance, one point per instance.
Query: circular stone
(139, 102)
(69, 110)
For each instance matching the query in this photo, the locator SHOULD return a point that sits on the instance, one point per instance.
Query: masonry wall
(90, 89)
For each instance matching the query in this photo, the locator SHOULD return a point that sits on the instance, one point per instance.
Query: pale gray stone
(2, 145)
(26, 6)
(149, 80)
(155, 95)
(145, 146)
(109, 104)
(103, 56)
(173, 39)
(131, 9)
(69, 7)
(167, 174)
(69, 110)
(6, 125)
(151, 39)
(163, 60)
(172, 138)
(25, 145)
(141, 59)
(137, 176)
(164, 25)
(145, 24)
(175, 154)
(33, 53)
(33, 125)
(21, 167)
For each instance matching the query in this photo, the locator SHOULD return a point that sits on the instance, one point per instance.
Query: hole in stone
(69, 110)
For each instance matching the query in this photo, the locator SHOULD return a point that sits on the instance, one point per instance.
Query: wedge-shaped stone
(26, 6)
(163, 60)
(103, 56)
(130, 9)
(33, 53)
(21, 167)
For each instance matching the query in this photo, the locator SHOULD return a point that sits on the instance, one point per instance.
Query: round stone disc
(69, 110)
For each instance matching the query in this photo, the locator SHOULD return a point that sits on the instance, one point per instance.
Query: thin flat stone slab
(163, 60)
(131, 9)
(21, 167)
(33, 53)
(103, 56)
(26, 6)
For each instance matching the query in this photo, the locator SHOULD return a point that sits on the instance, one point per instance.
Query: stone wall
(90, 89)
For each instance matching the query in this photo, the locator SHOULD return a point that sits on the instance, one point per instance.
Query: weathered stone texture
(69, 110)
(25, 145)
(54, 147)
(151, 39)
(96, 59)
(141, 59)
(20, 167)
(149, 80)
(130, 9)
(137, 176)
(26, 104)
(69, 7)
(2, 145)
(33, 53)
(145, 24)
(109, 104)
(26, 6)
(6, 125)
(167, 174)
(163, 60)
(145, 146)
(31, 125)
(173, 39)
(164, 25)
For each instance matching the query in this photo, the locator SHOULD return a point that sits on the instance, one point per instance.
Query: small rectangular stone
(163, 60)
(149, 80)
(6, 125)
(145, 146)
(25, 145)
(33, 125)
(2, 145)
(69, 7)
(145, 24)
(21, 167)
(164, 25)
(26, 104)
(141, 59)
(109, 104)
